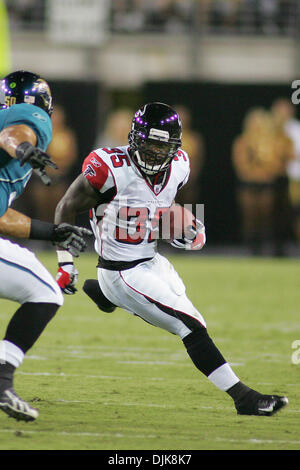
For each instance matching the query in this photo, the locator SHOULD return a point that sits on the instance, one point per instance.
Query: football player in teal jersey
(25, 133)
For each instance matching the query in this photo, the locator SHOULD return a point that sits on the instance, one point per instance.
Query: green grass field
(113, 382)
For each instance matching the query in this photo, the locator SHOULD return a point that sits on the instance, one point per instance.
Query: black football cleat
(255, 403)
(92, 289)
(15, 407)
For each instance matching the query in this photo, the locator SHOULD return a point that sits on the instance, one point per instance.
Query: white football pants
(154, 291)
(23, 278)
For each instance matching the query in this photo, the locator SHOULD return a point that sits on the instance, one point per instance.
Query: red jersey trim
(95, 170)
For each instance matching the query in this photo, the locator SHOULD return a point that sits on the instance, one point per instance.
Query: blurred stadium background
(215, 60)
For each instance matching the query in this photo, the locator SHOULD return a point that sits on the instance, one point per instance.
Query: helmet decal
(25, 87)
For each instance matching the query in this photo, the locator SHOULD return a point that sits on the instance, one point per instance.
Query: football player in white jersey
(126, 189)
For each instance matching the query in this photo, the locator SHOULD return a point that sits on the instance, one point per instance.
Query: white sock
(10, 353)
(223, 377)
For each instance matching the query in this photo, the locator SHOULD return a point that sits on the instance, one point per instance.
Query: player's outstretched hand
(66, 278)
(71, 238)
(28, 153)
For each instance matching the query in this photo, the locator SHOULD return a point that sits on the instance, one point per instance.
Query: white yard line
(119, 435)
(152, 363)
(257, 441)
(93, 376)
(89, 434)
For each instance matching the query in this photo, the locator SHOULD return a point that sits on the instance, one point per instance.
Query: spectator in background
(26, 14)
(288, 16)
(63, 151)
(268, 16)
(224, 14)
(202, 14)
(193, 144)
(116, 128)
(284, 113)
(259, 156)
(167, 15)
(127, 15)
(151, 15)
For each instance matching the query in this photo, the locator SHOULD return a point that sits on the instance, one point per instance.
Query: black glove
(70, 238)
(27, 153)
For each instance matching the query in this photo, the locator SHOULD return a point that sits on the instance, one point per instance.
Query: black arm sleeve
(41, 230)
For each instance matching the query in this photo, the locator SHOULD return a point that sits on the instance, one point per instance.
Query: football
(175, 223)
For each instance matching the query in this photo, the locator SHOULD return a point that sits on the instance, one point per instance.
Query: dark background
(82, 102)
(218, 111)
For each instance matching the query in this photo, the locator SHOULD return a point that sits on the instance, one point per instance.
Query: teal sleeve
(3, 200)
(34, 117)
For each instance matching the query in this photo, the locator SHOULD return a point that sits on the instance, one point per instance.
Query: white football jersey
(126, 224)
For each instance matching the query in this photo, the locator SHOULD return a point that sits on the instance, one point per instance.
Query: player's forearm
(15, 224)
(11, 137)
(80, 197)
(65, 212)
